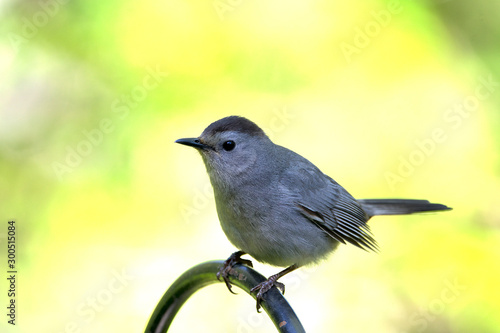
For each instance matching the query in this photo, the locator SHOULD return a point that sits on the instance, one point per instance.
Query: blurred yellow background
(390, 98)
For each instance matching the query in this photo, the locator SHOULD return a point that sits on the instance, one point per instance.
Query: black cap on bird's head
(235, 124)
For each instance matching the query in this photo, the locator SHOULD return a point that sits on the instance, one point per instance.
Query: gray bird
(278, 207)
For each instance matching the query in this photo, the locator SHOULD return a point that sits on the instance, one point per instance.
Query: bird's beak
(193, 142)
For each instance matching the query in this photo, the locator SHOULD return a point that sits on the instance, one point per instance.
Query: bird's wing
(329, 206)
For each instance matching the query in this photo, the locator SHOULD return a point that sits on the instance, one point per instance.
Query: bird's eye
(228, 145)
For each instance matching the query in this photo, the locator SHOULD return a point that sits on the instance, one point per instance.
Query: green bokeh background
(387, 97)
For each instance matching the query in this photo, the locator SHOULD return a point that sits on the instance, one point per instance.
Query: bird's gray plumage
(276, 205)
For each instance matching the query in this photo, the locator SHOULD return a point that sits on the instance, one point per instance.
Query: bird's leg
(225, 270)
(272, 281)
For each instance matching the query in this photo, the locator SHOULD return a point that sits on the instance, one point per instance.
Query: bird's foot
(264, 287)
(272, 281)
(227, 268)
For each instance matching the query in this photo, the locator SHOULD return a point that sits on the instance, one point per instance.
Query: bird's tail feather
(398, 206)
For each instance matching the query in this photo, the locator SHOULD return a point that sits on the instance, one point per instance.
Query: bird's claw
(227, 268)
(264, 287)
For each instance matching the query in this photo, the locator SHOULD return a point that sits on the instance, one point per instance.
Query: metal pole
(204, 274)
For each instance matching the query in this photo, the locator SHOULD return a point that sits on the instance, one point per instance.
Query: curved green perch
(204, 274)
